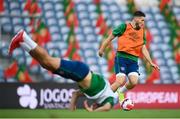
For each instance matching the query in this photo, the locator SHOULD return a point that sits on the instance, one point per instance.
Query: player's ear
(107, 107)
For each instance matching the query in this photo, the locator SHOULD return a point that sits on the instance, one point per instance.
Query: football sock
(28, 43)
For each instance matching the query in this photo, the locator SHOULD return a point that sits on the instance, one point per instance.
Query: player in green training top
(131, 42)
(92, 85)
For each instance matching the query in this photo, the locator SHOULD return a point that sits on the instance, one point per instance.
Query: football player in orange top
(131, 42)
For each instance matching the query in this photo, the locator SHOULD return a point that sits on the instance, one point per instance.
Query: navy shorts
(74, 70)
(125, 65)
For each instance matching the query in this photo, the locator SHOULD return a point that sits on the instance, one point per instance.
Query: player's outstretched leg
(120, 79)
(15, 42)
(133, 80)
(21, 39)
(74, 70)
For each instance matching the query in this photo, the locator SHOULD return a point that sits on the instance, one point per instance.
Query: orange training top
(131, 41)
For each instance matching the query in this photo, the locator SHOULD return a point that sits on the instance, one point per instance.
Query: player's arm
(105, 107)
(148, 58)
(117, 31)
(105, 43)
(75, 95)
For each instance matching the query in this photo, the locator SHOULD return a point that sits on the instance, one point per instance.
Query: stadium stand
(52, 13)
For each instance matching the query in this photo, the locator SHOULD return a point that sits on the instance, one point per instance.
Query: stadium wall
(161, 96)
(57, 96)
(36, 95)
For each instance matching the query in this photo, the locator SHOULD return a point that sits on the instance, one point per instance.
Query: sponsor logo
(46, 98)
(56, 98)
(153, 97)
(28, 97)
(122, 68)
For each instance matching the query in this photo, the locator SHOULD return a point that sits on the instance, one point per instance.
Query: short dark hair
(139, 14)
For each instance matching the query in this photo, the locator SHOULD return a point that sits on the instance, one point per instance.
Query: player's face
(139, 22)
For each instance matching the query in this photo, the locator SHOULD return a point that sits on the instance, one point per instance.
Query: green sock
(121, 96)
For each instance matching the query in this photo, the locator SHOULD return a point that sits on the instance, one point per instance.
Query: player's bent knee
(131, 85)
(120, 78)
(133, 81)
(133, 78)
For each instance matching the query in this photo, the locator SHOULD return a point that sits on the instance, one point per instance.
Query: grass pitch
(80, 113)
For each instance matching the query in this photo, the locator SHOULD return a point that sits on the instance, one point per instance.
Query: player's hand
(155, 66)
(72, 106)
(100, 53)
(87, 107)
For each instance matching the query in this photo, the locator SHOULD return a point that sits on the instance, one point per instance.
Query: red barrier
(155, 96)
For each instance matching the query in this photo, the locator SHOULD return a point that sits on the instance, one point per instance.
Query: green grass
(40, 113)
